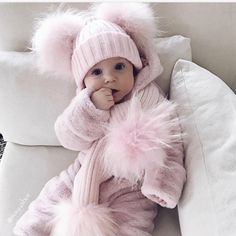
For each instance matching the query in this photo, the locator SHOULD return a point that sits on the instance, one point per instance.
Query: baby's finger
(106, 91)
(109, 97)
(111, 103)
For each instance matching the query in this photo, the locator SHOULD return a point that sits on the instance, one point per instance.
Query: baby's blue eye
(96, 72)
(119, 66)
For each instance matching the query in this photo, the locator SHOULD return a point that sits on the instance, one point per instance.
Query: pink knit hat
(97, 41)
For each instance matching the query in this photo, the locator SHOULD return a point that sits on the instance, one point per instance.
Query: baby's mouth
(114, 91)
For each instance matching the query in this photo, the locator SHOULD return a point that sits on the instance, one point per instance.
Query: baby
(127, 134)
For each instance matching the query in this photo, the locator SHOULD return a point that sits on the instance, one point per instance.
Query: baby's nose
(109, 78)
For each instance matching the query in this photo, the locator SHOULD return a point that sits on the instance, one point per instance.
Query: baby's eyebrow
(96, 68)
(121, 60)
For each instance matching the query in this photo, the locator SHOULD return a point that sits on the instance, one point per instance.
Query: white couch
(30, 103)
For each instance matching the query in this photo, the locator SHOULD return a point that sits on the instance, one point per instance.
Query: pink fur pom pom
(89, 220)
(137, 19)
(53, 41)
(139, 142)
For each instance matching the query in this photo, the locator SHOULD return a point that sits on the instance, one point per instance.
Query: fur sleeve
(35, 219)
(81, 123)
(164, 182)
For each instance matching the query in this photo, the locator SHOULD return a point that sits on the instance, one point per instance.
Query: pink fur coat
(153, 153)
(130, 159)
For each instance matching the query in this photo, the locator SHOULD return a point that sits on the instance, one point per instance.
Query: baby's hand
(103, 99)
(160, 201)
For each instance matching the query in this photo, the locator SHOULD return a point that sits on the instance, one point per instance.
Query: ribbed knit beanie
(100, 40)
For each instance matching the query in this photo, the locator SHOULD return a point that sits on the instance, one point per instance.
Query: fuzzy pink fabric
(120, 208)
(85, 133)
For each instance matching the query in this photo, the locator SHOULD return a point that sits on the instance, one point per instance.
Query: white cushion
(171, 49)
(208, 111)
(30, 102)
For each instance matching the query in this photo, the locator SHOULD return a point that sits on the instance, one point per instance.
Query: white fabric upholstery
(31, 101)
(208, 106)
(170, 49)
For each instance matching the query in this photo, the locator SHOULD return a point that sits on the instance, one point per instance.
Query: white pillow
(171, 49)
(30, 102)
(208, 204)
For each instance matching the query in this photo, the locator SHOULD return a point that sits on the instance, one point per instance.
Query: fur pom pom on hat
(70, 43)
(53, 42)
(136, 19)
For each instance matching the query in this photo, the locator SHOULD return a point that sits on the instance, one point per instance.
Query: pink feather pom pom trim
(139, 142)
(88, 220)
(53, 41)
(132, 17)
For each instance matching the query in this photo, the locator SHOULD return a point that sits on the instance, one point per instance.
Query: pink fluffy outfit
(131, 157)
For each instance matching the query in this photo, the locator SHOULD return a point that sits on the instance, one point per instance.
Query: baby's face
(115, 73)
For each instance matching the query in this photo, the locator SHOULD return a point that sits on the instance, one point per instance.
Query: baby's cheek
(94, 85)
(129, 86)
